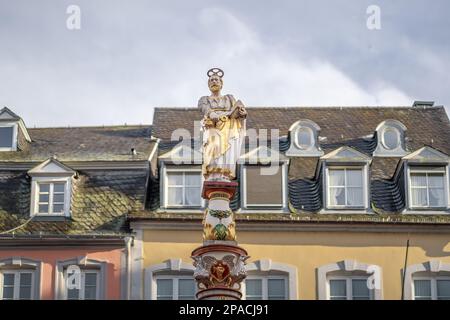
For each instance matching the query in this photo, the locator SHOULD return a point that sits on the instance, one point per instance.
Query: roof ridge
(311, 107)
(96, 126)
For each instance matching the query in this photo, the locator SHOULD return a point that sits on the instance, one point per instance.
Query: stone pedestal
(220, 262)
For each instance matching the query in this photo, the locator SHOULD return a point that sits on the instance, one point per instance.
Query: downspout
(404, 269)
(128, 244)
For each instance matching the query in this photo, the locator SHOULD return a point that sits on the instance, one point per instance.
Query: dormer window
(391, 139)
(7, 136)
(427, 181)
(346, 180)
(304, 139)
(51, 197)
(51, 188)
(182, 187)
(427, 187)
(11, 127)
(263, 186)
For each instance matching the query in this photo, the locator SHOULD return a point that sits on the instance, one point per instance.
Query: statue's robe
(222, 139)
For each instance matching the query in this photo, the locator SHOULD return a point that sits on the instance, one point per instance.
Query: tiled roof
(340, 126)
(101, 200)
(113, 143)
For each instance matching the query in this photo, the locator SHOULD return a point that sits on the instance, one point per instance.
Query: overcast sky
(131, 56)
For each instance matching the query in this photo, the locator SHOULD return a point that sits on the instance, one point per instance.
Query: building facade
(333, 203)
(357, 194)
(64, 198)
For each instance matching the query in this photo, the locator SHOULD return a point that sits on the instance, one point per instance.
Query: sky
(129, 57)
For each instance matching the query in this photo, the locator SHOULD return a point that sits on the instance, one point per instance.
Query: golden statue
(223, 127)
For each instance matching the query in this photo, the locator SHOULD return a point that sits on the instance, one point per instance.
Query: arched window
(391, 139)
(428, 281)
(349, 280)
(304, 139)
(170, 280)
(267, 280)
(20, 279)
(92, 282)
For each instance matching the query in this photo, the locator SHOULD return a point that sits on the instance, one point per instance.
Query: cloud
(127, 60)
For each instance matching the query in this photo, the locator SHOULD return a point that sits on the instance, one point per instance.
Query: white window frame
(295, 149)
(17, 282)
(14, 135)
(433, 285)
(349, 286)
(445, 175)
(165, 171)
(279, 206)
(365, 187)
(82, 283)
(265, 285)
(34, 208)
(175, 284)
(382, 150)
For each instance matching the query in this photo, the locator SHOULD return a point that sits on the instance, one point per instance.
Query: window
(51, 198)
(427, 188)
(346, 187)
(435, 288)
(304, 138)
(16, 284)
(266, 288)
(6, 137)
(349, 288)
(89, 286)
(175, 288)
(391, 138)
(263, 186)
(183, 188)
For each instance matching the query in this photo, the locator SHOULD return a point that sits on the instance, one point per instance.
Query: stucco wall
(50, 257)
(310, 250)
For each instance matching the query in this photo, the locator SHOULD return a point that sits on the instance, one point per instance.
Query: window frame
(265, 285)
(416, 169)
(17, 272)
(15, 129)
(349, 285)
(166, 171)
(35, 188)
(175, 284)
(81, 294)
(365, 186)
(433, 285)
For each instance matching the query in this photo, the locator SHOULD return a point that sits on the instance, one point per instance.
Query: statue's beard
(214, 88)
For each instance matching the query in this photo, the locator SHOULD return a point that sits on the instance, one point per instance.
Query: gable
(345, 154)
(427, 154)
(51, 167)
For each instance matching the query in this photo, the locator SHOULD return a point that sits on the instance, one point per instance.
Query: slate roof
(101, 198)
(340, 126)
(111, 143)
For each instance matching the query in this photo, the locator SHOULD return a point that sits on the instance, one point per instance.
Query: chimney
(423, 104)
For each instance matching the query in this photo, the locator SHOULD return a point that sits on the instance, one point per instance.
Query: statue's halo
(215, 72)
